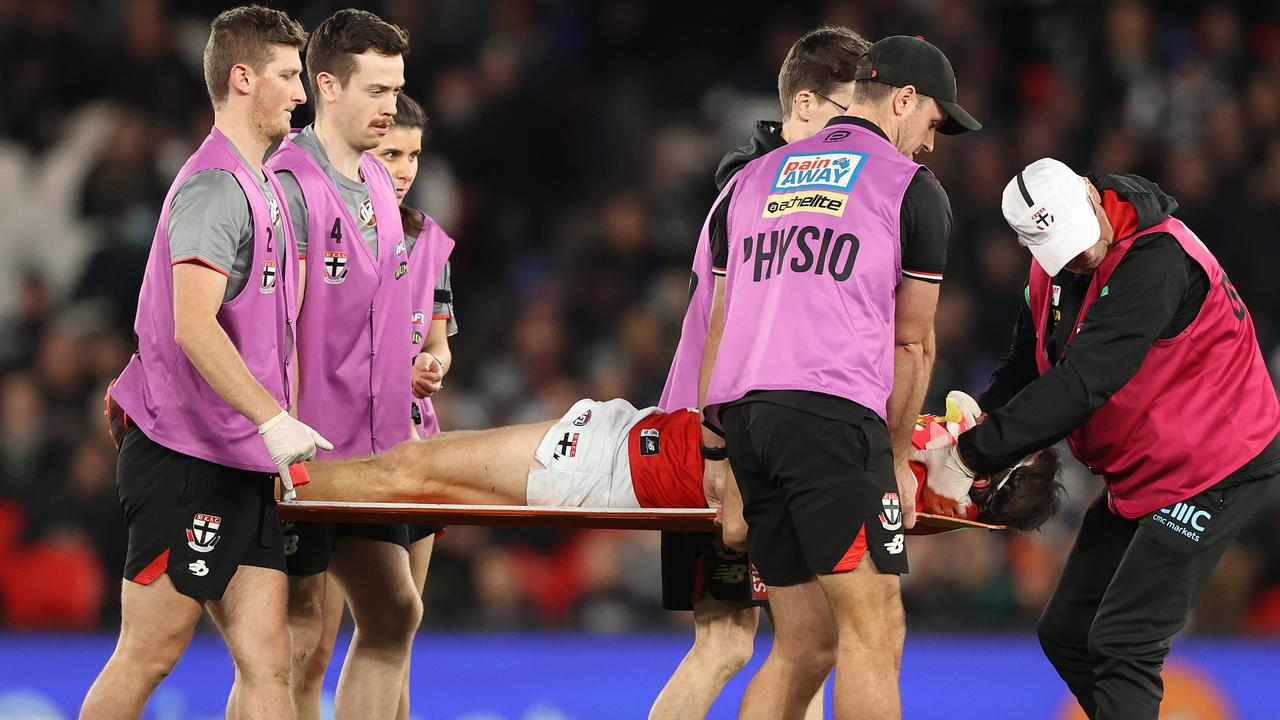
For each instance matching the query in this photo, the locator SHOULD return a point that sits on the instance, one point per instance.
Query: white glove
(947, 480)
(290, 441)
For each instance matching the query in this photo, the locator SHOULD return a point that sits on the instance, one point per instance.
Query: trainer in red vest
(1201, 404)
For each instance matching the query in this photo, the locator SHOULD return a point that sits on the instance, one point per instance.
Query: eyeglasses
(843, 108)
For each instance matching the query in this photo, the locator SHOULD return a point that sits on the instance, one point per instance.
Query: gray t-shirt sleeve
(209, 221)
(443, 307)
(297, 209)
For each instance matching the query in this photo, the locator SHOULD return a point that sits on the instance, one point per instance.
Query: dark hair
(819, 61)
(1032, 495)
(345, 34)
(245, 34)
(409, 114)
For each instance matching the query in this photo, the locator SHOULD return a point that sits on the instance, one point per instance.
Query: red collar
(1121, 214)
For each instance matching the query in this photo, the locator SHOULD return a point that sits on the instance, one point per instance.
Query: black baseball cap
(902, 60)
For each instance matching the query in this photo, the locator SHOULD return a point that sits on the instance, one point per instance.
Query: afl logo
(366, 213)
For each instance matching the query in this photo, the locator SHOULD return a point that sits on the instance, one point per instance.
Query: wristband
(714, 454)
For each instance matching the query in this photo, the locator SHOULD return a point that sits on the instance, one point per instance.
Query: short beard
(266, 123)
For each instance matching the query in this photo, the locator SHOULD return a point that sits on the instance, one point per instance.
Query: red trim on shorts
(698, 588)
(441, 317)
(157, 567)
(202, 262)
(759, 591)
(854, 554)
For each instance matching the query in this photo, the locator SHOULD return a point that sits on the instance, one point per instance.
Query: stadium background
(571, 156)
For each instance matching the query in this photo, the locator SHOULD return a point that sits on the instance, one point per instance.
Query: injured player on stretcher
(609, 454)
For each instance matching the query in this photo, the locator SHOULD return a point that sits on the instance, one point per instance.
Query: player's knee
(810, 656)
(151, 658)
(725, 643)
(310, 664)
(395, 475)
(394, 619)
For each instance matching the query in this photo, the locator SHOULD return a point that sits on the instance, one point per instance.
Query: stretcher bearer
(820, 334)
(699, 571)
(431, 324)
(200, 413)
(354, 358)
(1135, 347)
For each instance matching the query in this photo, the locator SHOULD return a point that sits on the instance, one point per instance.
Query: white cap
(1049, 207)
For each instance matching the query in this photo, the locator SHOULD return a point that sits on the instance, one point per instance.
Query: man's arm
(1144, 294)
(715, 331)
(913, 353)
(925, 230)
(197, 298)
(210, 225)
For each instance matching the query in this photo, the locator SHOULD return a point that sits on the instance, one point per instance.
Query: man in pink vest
(1144, 357)
(354, 360)
(701, 573)
(817, 357)
(200, 413)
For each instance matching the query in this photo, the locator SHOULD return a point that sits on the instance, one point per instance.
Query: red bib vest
(1200, 406)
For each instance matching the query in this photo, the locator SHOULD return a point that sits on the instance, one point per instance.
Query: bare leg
(155, 628)
(387, 608)
(419, 561)
(482, 467)
(723, 639)
(308, 596)
(815, 709)
(315, 615)
(251, 616)
(804, 651)
(867, 605)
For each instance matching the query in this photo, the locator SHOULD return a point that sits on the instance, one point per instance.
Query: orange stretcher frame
(694, 519)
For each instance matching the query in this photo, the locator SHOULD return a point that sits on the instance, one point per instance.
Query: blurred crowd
(571, 156)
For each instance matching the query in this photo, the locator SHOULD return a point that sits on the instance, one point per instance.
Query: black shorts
(308, 545)
(817, 493)
(419, 532)
(696, 564)
(193, 519)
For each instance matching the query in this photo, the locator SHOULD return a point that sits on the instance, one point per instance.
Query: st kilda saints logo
(203, 533)
(567, 447)
(268, 285)
(275, 209)
(1042, 219)
(366, 213)
(891, 516)
(335, 266)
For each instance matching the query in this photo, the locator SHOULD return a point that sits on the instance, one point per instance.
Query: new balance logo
(198, 568)
(730, 574)
(1188, 514)
(896, 545)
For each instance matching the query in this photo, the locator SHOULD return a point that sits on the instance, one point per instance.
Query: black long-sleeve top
(1155, 292)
